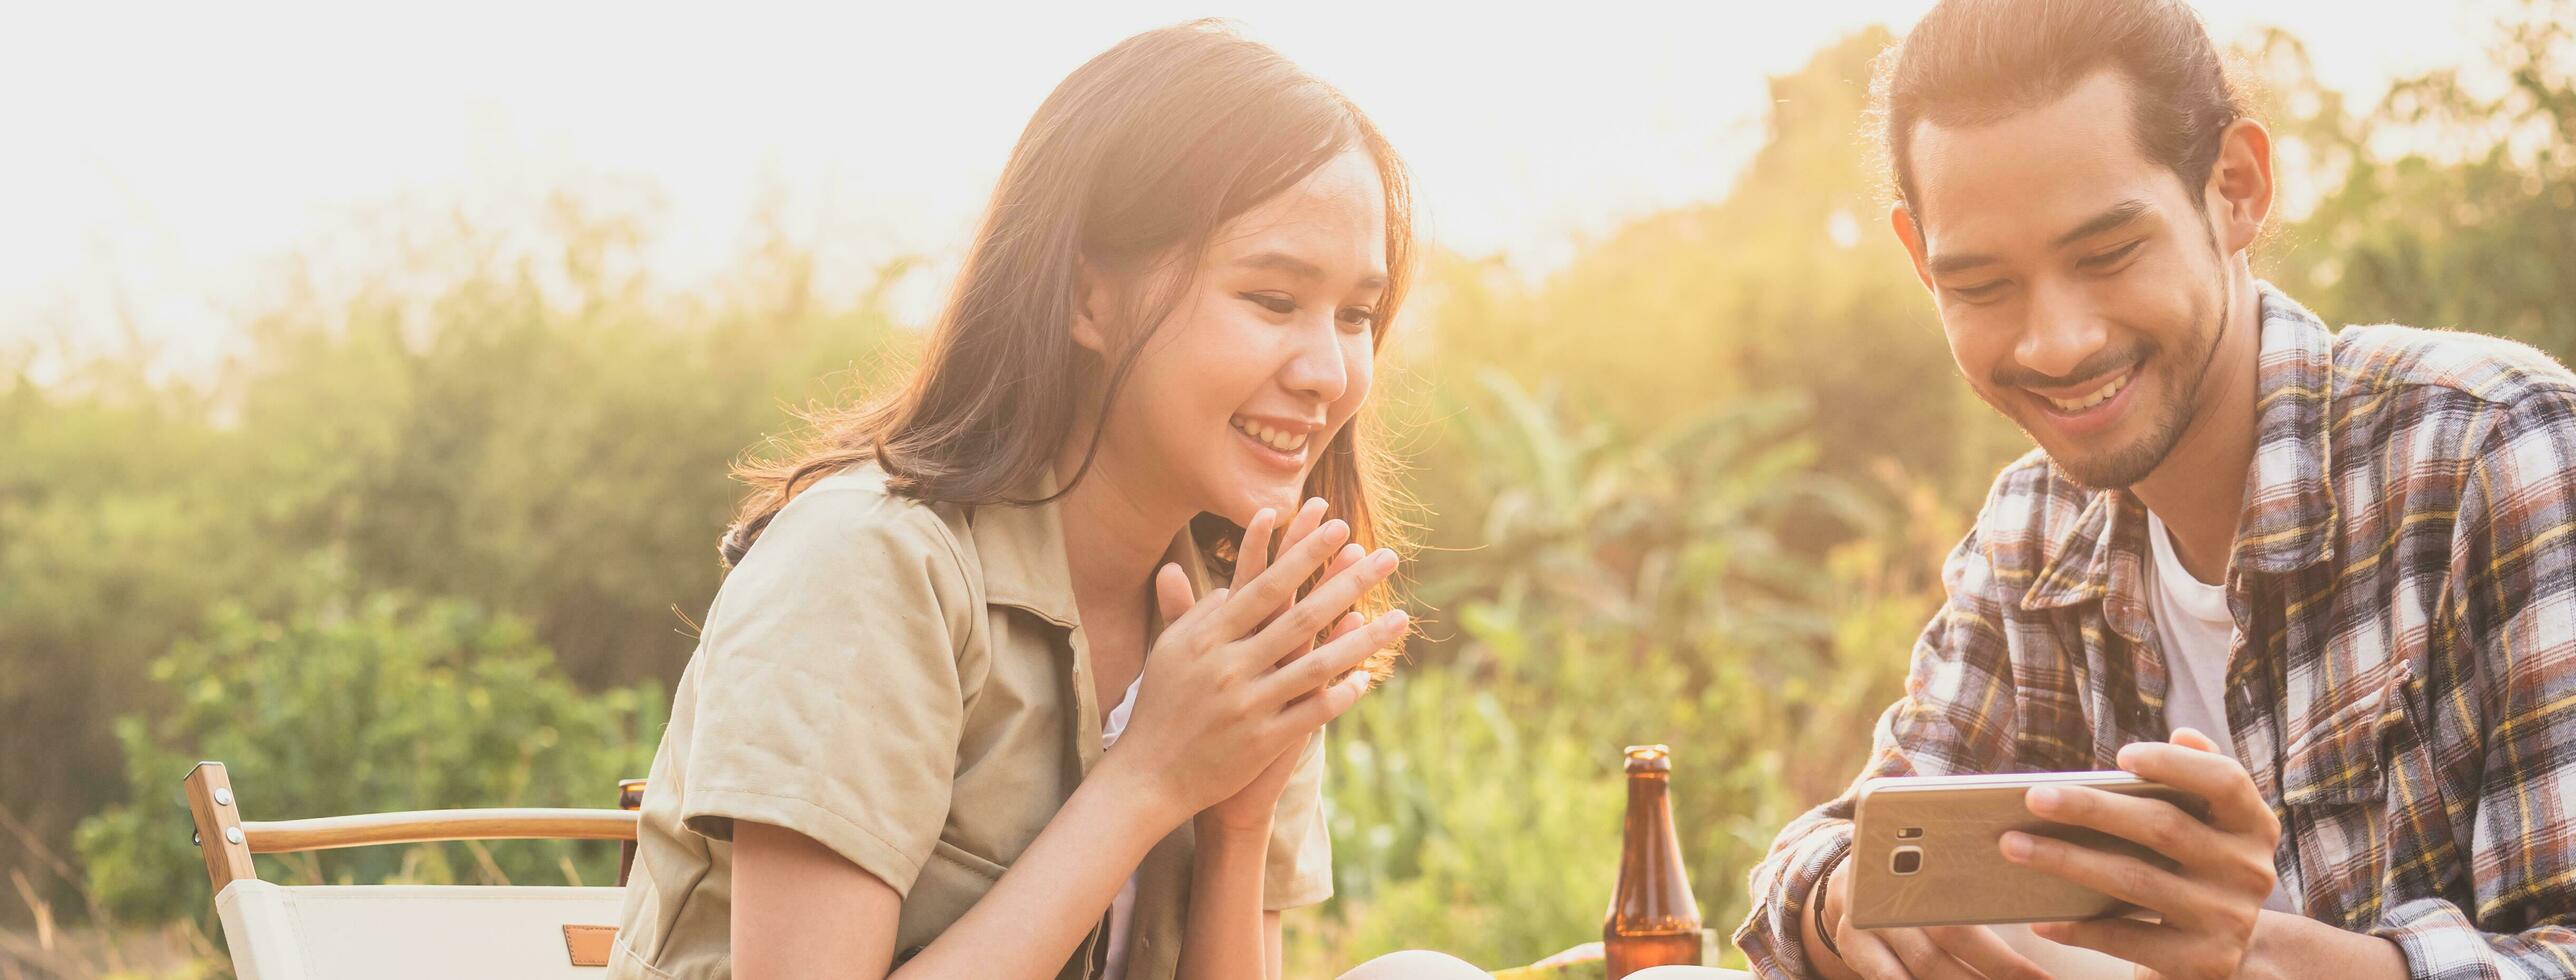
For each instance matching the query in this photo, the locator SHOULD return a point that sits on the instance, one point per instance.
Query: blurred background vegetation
(437, 542)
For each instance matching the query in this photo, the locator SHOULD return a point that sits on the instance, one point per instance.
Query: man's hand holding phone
(2205, 903)
(2208, 904)
(1930, 953)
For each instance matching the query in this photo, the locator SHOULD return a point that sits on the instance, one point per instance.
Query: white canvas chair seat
(396, 932)
(326, 932)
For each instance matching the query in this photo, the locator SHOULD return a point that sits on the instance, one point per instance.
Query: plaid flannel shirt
(2403, 684)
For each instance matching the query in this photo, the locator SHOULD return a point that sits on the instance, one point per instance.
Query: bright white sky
(164, 162)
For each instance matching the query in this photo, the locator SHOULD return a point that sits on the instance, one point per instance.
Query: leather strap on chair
(589, 945)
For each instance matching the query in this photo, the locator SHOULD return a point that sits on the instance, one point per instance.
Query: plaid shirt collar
(2291, 521)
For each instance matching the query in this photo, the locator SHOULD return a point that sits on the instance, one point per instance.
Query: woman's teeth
(1286, 442)
(2098, 395)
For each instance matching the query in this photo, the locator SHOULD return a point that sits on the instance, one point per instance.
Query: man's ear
(1901, 219)
(1091, 299)
(2240, 185)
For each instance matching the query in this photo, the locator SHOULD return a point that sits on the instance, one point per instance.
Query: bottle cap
(1649, 758)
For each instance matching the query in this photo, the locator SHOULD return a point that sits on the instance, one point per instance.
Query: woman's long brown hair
(1134, 161)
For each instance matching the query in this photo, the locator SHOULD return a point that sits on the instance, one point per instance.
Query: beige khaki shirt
(909, 685)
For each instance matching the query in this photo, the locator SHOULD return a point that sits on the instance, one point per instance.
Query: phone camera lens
(1907, 860)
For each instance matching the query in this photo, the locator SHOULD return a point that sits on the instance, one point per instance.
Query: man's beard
(2124, 466)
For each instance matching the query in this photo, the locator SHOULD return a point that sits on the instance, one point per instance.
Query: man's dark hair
(1972, 62)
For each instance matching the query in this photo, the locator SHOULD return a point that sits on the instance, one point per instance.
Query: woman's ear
(1090, 300)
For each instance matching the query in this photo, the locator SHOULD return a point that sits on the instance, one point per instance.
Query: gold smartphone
(1926, 850)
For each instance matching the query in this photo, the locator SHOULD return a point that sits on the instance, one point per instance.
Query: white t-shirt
(2196, 631)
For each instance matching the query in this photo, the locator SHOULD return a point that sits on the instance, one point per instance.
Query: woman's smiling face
(1266, 354)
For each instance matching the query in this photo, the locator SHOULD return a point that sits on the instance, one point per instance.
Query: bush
(376, 703)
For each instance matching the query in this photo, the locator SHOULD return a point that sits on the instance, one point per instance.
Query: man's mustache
(2103, 364)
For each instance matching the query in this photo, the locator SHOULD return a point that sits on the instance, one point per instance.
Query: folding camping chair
(319, 932)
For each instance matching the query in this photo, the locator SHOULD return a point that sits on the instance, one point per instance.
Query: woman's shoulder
(851, 523)
(857, 502)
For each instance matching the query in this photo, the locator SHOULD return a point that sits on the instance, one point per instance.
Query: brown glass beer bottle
(1653, 919)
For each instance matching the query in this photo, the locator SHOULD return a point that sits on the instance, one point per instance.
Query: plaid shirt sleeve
(1957, 716)
(2514, 588)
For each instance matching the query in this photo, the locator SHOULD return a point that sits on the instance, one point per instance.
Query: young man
(2324, 580)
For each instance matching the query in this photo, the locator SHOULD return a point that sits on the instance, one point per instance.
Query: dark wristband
(1816, 905)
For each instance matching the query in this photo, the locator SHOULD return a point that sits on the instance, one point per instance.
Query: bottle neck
(1654, 892)
(1648, 786)
(1650, 815)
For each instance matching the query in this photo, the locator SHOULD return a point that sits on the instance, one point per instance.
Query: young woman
(991, 689)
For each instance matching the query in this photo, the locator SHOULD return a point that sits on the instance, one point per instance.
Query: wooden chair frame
(227, 841)
(630, 797)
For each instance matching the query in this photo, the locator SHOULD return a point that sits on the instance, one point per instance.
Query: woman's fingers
(1278, 583)
(1172, 594)
(1304, 522)
(1252, 554)
(1337, 658)
(1342, 562)
(1309, 516)
(1349, 621)
(1321, 707)
(1298, 626)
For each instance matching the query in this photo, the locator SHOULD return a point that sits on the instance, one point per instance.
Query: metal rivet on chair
(233, 834)
(223, 797)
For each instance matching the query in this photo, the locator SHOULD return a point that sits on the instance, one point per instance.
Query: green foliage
(1631, 589)
(117, 529)
(2480, 188)
(1673, 534)
(364, 705)
(526, 430)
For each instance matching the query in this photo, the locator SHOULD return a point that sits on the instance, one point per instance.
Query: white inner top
(2195, 631)
(1124, 907)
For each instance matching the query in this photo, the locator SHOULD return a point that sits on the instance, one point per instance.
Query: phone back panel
(1955, 827)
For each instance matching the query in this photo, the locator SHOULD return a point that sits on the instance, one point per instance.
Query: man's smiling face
(2081, 287)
